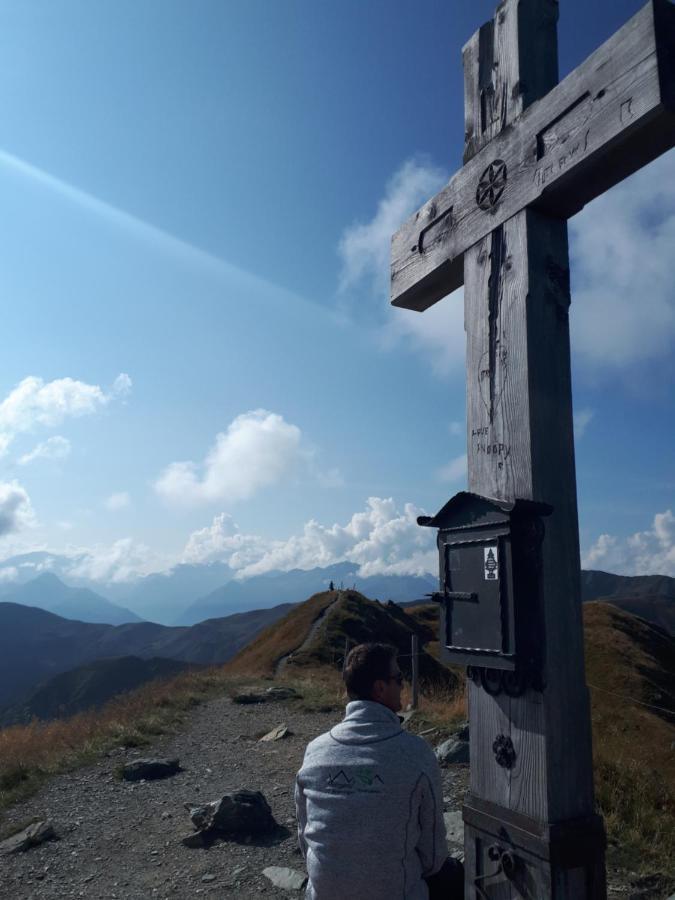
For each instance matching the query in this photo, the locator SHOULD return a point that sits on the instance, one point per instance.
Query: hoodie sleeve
(301, 814)
(432, 845)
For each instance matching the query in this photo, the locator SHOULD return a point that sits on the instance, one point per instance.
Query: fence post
(415, 671)
(344, 658)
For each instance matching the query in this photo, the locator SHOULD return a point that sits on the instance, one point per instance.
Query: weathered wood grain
(505, 90)
(520, 444)
(516, 319)
(608, 118)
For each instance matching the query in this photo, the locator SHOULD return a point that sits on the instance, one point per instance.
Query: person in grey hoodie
(369, 799)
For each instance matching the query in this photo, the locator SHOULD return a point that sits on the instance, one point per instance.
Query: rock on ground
(241, 812)
(286, 879)
(452, 752)
(31, 836)
(148, 769)
(276, 734)
(454, 827)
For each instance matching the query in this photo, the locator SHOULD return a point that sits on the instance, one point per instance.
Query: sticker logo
(490, 563)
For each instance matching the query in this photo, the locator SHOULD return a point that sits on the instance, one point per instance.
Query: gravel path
(318, 624)
(122, 840)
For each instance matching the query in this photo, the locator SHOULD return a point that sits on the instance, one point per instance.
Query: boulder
(286, 879)
(31, 836)
(242, 812)
(276, 734)
(150, 769)
(452, 752)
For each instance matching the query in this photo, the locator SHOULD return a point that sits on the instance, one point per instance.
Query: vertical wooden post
(344, 658)
(415, 648)
(520, 444)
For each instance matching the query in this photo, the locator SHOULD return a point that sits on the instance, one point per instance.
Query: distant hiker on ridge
(369, 798)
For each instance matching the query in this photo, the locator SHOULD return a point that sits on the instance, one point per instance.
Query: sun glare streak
(162, 240)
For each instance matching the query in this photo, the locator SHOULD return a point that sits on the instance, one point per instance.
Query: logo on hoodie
(365, 780)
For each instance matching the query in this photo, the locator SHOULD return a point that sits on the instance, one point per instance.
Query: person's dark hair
(365, 664)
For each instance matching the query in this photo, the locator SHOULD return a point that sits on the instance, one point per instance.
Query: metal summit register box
(490, 566)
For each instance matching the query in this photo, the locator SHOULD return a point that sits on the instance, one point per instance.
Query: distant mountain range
(652, 597)
(49, 593)
(192, 593)
(36, 645)
(298, 584)
(159, 597)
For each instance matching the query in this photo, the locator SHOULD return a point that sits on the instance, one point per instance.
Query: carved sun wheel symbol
(491, 185)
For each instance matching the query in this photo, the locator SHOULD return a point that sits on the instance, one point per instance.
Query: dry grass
(633, 756)
(634, 761)
(261, 656)
(29, 754)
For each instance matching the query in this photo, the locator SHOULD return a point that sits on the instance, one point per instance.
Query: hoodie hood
(366, 722)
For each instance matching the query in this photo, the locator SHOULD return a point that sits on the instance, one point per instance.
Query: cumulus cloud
(223, 541)
(455, 470)
(379, 540)
(257, 450)
(365, 254)
(123, 560)
(35, 403)
(16, 511)
(56, 447)
(582, 419)
(650, 552)
(623, 307)
(115, 502)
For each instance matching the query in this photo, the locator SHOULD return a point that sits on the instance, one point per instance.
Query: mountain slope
(342, 616)
(87, 686)
(35, 644)
(49, 593)
(651, 597)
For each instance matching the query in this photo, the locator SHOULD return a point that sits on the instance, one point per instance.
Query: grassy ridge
(625, 658)
(261, 656)
(629, 663)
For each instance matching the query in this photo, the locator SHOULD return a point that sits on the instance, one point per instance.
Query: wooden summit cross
(536, 151)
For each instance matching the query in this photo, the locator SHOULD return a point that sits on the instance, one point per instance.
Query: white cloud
(650, 552)
(455, 470)
(123, 560)
(34, 402)
(379, 540)
(16, 511)
(223, 541)
(364, 248)
(115, 502)
(582, 419)
(365, 252)
(8, 574)
(56, 447)
(257, 450)
(623, 308)
(122, 385)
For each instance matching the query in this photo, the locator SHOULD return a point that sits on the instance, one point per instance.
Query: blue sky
(197, 197)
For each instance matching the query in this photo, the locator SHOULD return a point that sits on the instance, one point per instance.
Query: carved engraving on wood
(436, 230)
(627, 113)
(491, 185)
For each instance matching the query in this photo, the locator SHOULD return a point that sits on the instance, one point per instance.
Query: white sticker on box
(491, 563)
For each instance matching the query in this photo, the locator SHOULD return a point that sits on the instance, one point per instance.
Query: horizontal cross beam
(605, 120)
